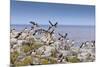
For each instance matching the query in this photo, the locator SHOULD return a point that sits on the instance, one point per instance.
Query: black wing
(50, 23)
(81, 45)
(56, 24)
(49, 27)
(33, 23)
(52, 32)
(60, 35)
(61, 55)
(18, 35)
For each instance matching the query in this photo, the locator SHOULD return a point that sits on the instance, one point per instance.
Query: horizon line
(58, 25)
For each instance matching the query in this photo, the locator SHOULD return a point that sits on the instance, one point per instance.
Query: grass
(73, 59)
(27, 47)
(14, 56)
(27, 61)
(44, 61)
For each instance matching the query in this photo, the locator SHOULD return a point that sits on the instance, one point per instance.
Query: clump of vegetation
(26, 48)
(44, 61)
(72, 59)
(29, 46)
(26, 61)
(18, 64)
(14, 56)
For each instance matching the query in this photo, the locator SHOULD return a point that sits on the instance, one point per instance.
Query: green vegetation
(44, 61)
(28, 47)
(14, 56)
(72, 59)
(27, 61)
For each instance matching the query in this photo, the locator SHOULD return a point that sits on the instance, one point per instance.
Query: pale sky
(64, 14)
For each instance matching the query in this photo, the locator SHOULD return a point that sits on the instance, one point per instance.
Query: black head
(32, 27)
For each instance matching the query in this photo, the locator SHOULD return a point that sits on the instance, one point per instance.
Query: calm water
(77, 33)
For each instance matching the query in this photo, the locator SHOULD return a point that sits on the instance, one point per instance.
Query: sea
(75, 32)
